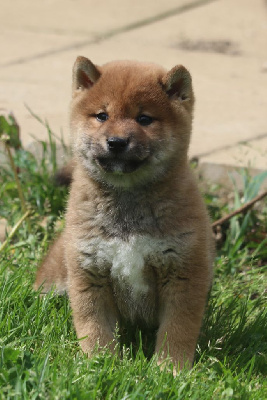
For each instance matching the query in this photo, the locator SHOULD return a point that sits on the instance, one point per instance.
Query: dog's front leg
(182, 304)
(94, 311)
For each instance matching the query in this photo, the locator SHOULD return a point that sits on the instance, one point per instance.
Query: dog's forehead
(133, 68)
(131, 82)
(131, 74)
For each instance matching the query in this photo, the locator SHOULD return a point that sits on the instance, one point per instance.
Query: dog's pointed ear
(84, 74)
(178, 83)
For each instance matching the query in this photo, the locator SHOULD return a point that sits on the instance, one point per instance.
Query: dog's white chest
(125, 261)
(129, 261)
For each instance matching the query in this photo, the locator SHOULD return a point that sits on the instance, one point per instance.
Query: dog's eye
(101, 117)
(144, 120)
(183, 97)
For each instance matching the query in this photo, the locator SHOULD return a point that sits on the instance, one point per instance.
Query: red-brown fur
(137, 245)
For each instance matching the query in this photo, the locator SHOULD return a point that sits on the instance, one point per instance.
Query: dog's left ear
(178, 83)
(84, 74)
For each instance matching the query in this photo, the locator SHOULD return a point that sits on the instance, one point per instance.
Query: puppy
(137, 248)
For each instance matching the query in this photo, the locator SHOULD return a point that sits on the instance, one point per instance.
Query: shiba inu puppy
(137, 247)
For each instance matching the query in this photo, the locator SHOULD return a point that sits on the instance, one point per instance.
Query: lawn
(40, 356)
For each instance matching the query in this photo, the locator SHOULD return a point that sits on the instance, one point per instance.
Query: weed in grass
(240, 227)
(41, 195)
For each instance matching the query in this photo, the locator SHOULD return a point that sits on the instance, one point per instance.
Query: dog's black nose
(117, 144)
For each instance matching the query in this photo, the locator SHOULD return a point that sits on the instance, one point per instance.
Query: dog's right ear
(84, 74)
(178, 83)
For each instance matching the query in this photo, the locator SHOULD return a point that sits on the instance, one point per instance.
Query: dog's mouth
(118, 165)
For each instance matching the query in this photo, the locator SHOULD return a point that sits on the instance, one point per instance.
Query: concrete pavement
(222, 42)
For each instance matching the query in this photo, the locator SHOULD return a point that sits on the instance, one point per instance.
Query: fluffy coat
(137, 247)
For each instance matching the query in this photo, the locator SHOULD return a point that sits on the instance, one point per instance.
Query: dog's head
(130, 122)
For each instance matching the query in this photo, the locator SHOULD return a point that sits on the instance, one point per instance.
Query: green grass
(40, 356)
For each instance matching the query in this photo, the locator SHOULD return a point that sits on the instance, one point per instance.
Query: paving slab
(41, 41)
(83, 17)
(33, 29)
(222, 42)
